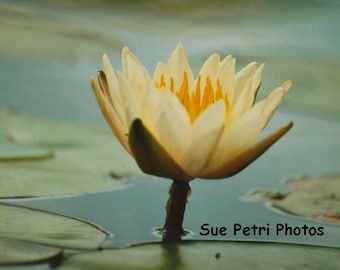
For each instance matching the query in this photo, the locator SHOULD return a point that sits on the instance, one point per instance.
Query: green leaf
(316, 198)
(13, 152)
(42, 227)
(313, 197)
(208, 255)
(19, 252)
(84, 158)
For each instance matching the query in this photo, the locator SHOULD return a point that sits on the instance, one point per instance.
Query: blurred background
(49, 49)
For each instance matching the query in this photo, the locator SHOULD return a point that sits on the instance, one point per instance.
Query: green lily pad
(317, 198)
(42, 227)
(85, 158)
(14, 252)
(208, 255)
(13, 152)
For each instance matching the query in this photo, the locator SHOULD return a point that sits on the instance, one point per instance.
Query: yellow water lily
(183, 127)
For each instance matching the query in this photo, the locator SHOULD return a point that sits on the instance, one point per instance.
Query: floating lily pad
(316, 198)
(14, 252)
(47, 228)
(208, 255)
(84, 158)
(13, 152)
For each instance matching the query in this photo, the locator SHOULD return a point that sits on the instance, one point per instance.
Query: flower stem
(175, 208)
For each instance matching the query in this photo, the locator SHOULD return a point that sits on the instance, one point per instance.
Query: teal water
(49, 50)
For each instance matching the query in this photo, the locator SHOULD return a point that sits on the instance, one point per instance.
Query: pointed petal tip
(252, 65)
(180, 46)
(287, 85)
(106, 60)
(94, 85)
(234, 166)
(179, 50)
(126, 53)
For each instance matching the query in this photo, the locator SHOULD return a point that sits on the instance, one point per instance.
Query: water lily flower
(183, 127)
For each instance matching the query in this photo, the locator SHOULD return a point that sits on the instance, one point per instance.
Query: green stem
(175, 208)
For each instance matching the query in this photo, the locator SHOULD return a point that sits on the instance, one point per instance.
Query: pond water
(49, 51)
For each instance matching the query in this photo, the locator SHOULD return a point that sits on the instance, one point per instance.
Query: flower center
(196, 100)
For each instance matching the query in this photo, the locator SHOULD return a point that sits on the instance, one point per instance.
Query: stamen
(162, 84)
(208, 96)
(219, 94)
(183, 93)
(193, 101)
(172, 85)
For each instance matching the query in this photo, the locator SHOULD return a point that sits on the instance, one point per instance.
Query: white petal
(113, 93)
(244, 159)
(242, 133)
(227, 76)
(117, 126)
(205, 135)
(267, 107)
(234, 139)
(135, 72)
(256, 80)
(130, 102)
(178, 65)
(210, 69)
(172, 126)
(247, 95)
(111, 79)
(161, 71)
(243, 89)
(151, 105)
(227, 61)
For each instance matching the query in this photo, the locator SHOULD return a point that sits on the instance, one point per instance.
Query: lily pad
(13, 152)
(14, 252)
(85, 158)
(317, 198)
(208, 255)
(47, 228)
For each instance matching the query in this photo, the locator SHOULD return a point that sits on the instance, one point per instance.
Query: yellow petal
(151, 157)
(237, 164)
(172, 126)
(255, 86)
(242, 133)
(243, 89)
(116, 125)
(130, 101)
(150, 103)
(268, 106)
(227, 76)
(111, 79)
(178, 65)
(161, 76)
(112, 98)
(210, 69)
(206, 132)
(135, 72)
